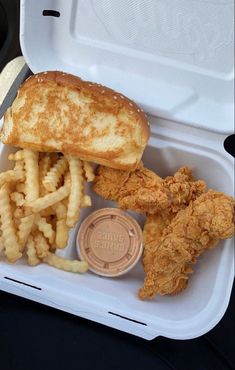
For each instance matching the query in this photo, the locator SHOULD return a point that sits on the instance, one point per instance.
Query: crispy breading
(193, 230)
(181, 189)
(141, 191)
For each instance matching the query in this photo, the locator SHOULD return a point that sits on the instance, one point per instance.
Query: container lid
(110, 241)
(174, 58)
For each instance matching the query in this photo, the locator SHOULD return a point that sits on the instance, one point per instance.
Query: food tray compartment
(114, 301)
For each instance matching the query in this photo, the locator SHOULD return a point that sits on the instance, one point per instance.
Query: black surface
(9, 31)
(33, 336)
(229, 145)
(37, 337)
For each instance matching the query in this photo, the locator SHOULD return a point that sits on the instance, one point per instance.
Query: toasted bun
(59, 112)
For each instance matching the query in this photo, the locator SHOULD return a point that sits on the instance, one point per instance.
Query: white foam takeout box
(175, 60)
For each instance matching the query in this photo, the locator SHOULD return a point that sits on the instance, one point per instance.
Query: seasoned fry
(12, 247)
(53, 176)
(75, 196)
(49, 199)
(45, 228)
(62, 234)
(11, 176)
(33, 260)
(89, 172)
(25, 227)
(41, 245)
(32, 175)
(17, 198)
(65, 264)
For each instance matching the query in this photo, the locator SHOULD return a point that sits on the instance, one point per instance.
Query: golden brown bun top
(56, 111)
(98, 91)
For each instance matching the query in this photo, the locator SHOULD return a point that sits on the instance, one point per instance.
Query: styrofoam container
(182, 77)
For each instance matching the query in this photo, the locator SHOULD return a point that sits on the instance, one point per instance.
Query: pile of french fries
(40, 201)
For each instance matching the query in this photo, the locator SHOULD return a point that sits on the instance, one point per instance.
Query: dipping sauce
(110, 241)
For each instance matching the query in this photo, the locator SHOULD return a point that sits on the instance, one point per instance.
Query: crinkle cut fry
(19, 166)
(65, 264)
(41, 245)
(76, 193)
(36, 216)
(88, 170)
(32, 175)
(60, 210)
(12, 247)
(86, 201)
(17, 198)
(44, 166)
(45, 228)
(62, 233)
(33, 259)
(25, 227)
(11, 176)
(54, 174)
(18, 156)
(31, 192)
(50, 199)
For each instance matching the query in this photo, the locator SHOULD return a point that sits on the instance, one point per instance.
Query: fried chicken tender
(181, 189)
(193, 230)
(152, 234)
(143, 191)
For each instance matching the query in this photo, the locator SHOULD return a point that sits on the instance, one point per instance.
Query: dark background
(33, 336)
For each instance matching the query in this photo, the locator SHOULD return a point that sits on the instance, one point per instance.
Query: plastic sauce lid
(110, 241)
